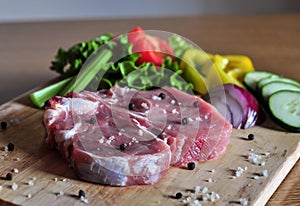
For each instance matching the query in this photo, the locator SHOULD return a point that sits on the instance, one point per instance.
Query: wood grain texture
(26, 50)
(37, 163)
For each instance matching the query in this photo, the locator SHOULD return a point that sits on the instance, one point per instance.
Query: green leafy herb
(147, 76)
(69, 62)
(113, 64)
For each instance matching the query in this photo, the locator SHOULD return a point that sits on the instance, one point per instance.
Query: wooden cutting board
(43, 178)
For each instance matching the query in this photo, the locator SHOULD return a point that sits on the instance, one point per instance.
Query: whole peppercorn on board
(248, 172)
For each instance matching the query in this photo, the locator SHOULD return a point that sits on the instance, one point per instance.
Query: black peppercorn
(81, 194)
(131, 106)
(9, 176)
(251, 137)
(178, 195)
(122, 147)
(185, 120)
(196, 104)
(10, 147)
(162, 95)
(92, 121)
(191, 165)
(3, 125)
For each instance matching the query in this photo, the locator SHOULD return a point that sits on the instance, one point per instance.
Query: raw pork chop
(124, 137)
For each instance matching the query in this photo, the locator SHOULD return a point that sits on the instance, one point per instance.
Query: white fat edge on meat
(98, 170)
(179, 148)
(123, 91)
(142, 133)
(81, 106)
(64, 135)
(147, 164)
(117, 164)
(51, 115)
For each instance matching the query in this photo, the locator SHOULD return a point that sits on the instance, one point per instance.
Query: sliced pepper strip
(238, 65)
(229, 68)
(199, 70)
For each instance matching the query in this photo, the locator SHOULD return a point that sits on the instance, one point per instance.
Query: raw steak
(124, 137)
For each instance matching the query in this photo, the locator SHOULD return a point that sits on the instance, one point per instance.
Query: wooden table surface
(272, 42)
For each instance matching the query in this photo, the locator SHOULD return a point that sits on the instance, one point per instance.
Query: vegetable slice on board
(251, 79)
(275, 86)
(276, 78)
(236, 104)
(285, 108)
(38, 98)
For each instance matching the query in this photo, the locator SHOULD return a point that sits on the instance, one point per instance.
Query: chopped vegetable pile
(143, 60)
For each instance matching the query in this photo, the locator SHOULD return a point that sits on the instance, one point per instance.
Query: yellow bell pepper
(238, 65)
(206, 71)
(197, 69)
(226, 79)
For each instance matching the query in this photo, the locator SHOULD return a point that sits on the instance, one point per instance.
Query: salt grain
(266, 153)
(198, 119)
(209, 180)
(14, 121)
(85, 200)
(174, 111)
(15, 170)
(263, 163)
(264, 173)
(243, 201)
(195, 203)
(140, 132)
(14, 186)
(30, 182)
(145, 105)
(197, 189)
(156, 98)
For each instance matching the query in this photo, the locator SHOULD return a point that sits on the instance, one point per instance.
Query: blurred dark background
(32, 10)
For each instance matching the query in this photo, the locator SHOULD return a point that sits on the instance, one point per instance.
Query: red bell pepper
(152, 48)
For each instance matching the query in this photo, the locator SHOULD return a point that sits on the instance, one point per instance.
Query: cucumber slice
(251, 78)
(276, 78)
(275, 86)
(285, 108)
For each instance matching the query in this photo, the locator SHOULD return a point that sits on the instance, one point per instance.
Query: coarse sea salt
(15, 170)
(265, 173)
(14, 186)
(243, 201)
